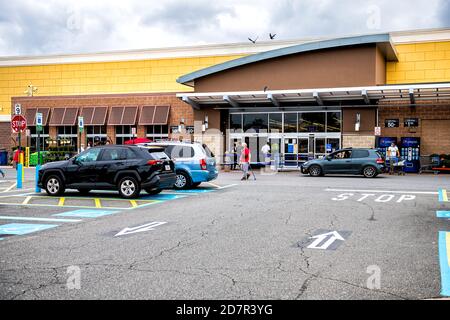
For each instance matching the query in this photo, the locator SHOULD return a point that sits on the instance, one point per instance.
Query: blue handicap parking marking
(24, 228)
(86, 213)
(443, 214)
(162, 196)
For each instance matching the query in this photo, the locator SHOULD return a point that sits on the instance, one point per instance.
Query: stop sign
(18, 123)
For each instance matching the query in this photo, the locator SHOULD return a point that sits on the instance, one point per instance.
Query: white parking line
(9, 189)
(384, 191)
(228, 186)
(212, 184)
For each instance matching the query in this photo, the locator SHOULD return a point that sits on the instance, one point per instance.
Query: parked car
(127, 169)
(194, 163)
(367, 162)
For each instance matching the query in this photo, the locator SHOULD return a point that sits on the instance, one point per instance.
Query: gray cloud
(31, 27)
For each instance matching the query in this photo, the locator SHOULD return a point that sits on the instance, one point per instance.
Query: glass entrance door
(275, 145)
(303, 147)
(290, 152)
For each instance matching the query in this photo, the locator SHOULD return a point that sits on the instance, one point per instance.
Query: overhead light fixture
(181, 125)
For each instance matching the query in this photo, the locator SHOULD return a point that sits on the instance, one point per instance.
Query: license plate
(168, 167)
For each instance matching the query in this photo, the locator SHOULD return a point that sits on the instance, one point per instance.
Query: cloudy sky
(30, 27)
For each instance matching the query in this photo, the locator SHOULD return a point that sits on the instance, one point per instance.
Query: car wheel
(54, 186)
(369, 172)
(153, 191)
(183, 181)
(315, 171)
(129, 188)
(84, 191)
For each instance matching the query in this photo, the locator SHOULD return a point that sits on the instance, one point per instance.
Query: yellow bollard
(27, 157)
(23, 168)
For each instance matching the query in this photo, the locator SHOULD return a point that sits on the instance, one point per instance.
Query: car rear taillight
(154, 162)
(380, 160)
(203, 164)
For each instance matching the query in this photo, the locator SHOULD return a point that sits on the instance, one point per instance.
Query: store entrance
(287, 151)
(299, 149)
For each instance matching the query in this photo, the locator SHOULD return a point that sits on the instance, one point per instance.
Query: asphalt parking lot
(283, 236)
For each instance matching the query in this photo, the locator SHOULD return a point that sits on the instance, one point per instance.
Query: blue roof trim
(311, 46)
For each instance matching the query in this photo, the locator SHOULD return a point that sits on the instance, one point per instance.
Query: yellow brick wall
(420, 63)
(103, 77)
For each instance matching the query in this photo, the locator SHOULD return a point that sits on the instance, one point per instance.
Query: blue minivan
(194, 162)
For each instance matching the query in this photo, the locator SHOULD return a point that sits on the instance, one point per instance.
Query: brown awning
(94, 116)
(123, 116)
(151, 115)
(161, 115)
(64, 116)
(30, 115)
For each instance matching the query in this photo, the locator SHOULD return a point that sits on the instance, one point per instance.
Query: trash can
(3, 157)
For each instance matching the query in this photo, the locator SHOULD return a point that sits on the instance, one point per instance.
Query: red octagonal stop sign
(18, 123)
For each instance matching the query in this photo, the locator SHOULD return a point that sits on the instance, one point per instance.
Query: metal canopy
(409, 93)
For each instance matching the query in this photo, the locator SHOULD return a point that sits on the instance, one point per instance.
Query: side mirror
(75, 161)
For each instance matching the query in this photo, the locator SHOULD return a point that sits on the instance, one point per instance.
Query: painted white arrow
(145, 227)
(334, 235)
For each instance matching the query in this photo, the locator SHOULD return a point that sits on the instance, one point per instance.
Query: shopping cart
(399, 167)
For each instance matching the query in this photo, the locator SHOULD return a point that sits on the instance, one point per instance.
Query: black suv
(127, 169)
(367, 162)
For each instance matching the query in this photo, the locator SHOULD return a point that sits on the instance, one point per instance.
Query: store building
(307, 97)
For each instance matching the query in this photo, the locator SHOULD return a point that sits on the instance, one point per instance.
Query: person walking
(2, 173)
(245, 161)
(392, 155)
(266, 153)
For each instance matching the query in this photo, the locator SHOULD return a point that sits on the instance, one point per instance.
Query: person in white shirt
(392, 155)
(265, 151)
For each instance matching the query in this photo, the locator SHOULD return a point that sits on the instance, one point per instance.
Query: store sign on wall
(411, 122)
(190, 129)
(392, 123)
(174, 129)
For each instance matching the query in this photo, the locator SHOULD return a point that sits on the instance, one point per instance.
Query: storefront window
(96, 135)
(257, 122)
(157, 132)
(43, 145)
(311, 122)
(235, 122)
(333, 122)
(276, 122)
(123, 133)
(67, 136)
(290, 122)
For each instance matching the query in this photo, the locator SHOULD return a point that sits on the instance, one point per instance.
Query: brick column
(111, 133)
(140, 131)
